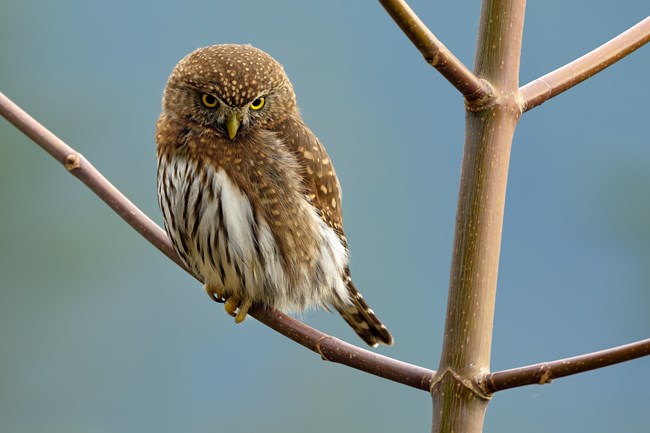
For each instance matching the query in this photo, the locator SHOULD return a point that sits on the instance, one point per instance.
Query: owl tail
(362, 319)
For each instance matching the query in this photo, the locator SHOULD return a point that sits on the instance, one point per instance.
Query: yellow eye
(209, 100)
(258, 103)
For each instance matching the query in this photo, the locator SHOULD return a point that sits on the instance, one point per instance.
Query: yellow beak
(232, 123)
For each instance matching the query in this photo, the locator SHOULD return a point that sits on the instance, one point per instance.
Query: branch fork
(479, 93)
(494, 103)
(474, 386)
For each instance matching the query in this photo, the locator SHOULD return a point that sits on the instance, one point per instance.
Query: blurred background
(99, 332)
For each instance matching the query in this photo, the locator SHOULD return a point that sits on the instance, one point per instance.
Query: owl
(249, 196)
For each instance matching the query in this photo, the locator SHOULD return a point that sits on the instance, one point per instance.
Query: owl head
(230, 88)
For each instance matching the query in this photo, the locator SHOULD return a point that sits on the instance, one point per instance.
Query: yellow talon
(231, 305)
(243, 311)
(215, 294)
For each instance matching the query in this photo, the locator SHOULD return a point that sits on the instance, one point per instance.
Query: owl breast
(228, 243)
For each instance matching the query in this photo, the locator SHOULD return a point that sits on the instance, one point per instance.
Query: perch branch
(544, 372)
(544, 88)
(329, 348)
(334, 350)
(436, 54)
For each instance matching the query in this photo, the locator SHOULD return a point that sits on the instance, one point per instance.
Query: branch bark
(562, 79)
(544, 372)
(329, 348)
(334, 350)
(475, 90)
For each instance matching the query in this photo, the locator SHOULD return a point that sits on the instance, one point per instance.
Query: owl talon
(214, 294)
(237, 308)
(243, 311)
(231, 305)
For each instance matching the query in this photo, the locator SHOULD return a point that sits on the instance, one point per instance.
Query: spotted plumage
(249, 197)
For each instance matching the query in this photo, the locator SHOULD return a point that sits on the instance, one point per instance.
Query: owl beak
(232, 123)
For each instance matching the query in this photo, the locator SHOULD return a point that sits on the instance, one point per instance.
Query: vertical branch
(459, 402)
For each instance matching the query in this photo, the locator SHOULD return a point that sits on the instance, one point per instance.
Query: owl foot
(235, 304)
(214, 294)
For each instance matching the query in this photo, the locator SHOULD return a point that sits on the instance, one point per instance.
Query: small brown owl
(249, 196)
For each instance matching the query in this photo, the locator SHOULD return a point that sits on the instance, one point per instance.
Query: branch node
(546, 374)
(318, 349)
(482, 98)
(72, 161)
(473, 386)
(432, 58)
(480, 382)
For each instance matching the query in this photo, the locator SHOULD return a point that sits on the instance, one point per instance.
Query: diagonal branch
(562, 79)
(544, 372)
(83, 170)
(334, 350)
(436, 54)
(330, 348)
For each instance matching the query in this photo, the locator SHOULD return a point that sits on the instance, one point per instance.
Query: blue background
(99, 332)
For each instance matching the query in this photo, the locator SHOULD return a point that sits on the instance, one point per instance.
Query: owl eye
(209, 100)
(258, 103)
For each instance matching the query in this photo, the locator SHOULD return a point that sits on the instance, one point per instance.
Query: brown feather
(322, 187)
(319, 177)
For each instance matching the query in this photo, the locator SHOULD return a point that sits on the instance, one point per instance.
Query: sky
(99, 332)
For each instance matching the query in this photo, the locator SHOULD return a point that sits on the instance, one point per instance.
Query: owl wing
(322, 187)
(319, 178)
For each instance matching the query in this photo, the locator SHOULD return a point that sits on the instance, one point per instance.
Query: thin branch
(436, 54)
(83, 170)
(334, 350)
(330, 348)
(544, 372)
(562, 79)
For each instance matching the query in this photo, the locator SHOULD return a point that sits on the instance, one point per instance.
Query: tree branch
(330, 348)
(436, 54)
(83, 170)
(544, 88)
(458, 405)
(334, 350)
(544, 372)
